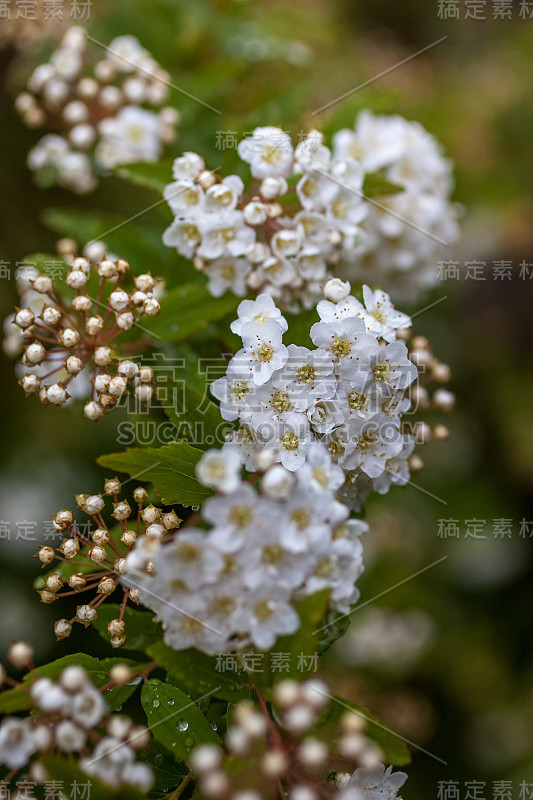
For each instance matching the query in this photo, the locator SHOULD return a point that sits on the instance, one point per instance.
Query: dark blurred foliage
(446, 658)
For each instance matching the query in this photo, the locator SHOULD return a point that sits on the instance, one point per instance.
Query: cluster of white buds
(273, 539)
(305, 215)
(350, 392)
(95, 563)
(68, 716)
(429, 393)
(102, 111)
(69, 335)
(279, 746)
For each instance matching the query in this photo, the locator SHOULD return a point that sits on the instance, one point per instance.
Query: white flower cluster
(237, 583)
(96, 108)
(284, 751)
(305, 212)
(101, 555)
(349, 392)
(66, 714)
(405, 233)
(69, 336)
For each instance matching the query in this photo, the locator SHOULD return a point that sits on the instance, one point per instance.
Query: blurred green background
(446, 658)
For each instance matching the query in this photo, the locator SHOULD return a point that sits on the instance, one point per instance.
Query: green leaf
(141, 628)
(301, 646)
(376, 184)
(196, 418)
(170, 468)
(140, 245)
(300, 325)
(150, 176)
(49, 263)
(15, 700)
(168, 771)
(198, 672)
(174, 719)
(65, 771)
(393, 746)
(55, 668)
(187, 309)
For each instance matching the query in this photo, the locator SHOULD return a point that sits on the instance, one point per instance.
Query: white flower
(224, 234)
(375, 441)
(184, 235)
(125, 53)
(311, 153)
(263, 352)
(268, 561)
(16, 743)
(219, 469)
(226, 273)
(387, 368)
(191, 558)
(307, 376)
(344, 341)
(234, 391)
(291, 441)
(380, 316)
(233, 517)
(69, 737)
(136, 131)
(188, 166)
(270, 405)
(268, 614)
(184, 197)
(259, 311)
(268, 151)
(325, 416)
(319, 473)
(88, 707)
(375, 784)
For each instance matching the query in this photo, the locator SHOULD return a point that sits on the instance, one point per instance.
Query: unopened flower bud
(107, 269)
(30, 383)
(145, 283)
(43, 284)
(121, 674)
(24, 318)
(103, 356)
(128, 369)
(82, 303)
(336, 290)
(34, 353)
(128, 538)
(70, 548)
(116, 627)
(69, 337)
(77, 581)
(106, 586)
(140, 494)
(94, 325)
(54, 582)
(73, 365)
(100, 537)
(86, 614)
(46, 555)
(93, 410)
(122, 510)
(170, 520)
(20, 654)
(97, 554)
(62, 629)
